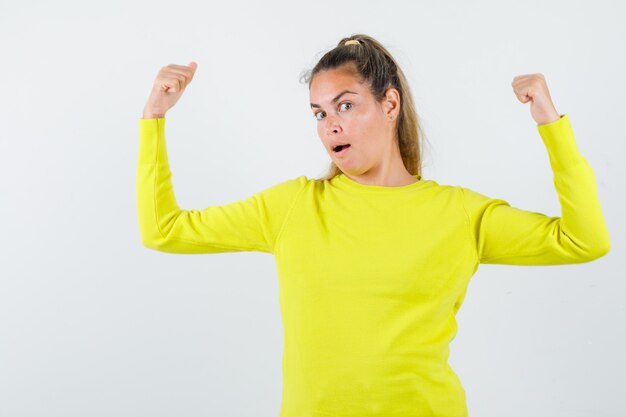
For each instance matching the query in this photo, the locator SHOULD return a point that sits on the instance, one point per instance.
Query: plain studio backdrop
(94, 324)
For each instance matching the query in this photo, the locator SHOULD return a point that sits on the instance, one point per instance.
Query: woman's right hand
(168, 87)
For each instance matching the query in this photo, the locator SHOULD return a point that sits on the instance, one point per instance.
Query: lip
(343, 151)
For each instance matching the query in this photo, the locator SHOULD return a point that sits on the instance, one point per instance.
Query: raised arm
(509, 235)
(251, 224)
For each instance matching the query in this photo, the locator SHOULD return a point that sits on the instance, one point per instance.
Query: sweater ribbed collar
(343, 181)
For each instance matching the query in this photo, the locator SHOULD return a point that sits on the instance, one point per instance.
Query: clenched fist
(168, 87)
(533, 88)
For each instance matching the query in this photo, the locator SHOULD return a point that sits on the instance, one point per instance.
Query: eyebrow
(337, 97)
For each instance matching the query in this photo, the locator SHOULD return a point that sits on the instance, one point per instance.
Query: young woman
(373, 260)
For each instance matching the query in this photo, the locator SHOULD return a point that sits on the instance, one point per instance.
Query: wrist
(150, 114)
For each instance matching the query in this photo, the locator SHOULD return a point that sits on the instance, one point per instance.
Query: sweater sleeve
(250, 224)
(508, 235)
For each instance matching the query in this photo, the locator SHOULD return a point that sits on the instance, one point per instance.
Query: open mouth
(339, 148)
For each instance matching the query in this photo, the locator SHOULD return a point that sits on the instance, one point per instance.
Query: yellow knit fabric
(371, 277)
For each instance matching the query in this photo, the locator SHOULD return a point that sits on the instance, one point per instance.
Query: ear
(391, 102)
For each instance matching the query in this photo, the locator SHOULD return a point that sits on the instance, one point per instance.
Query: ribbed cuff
(558, 137)
(152, 141)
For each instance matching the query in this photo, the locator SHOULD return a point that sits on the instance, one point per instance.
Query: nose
(332, 125)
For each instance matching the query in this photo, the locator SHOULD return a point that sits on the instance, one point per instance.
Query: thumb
(193, 65)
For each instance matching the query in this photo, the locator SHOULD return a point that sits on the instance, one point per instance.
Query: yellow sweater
(371, 277)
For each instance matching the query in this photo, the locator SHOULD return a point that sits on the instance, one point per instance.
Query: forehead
(326, 84)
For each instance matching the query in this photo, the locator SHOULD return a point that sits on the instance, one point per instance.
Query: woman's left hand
(533, 88)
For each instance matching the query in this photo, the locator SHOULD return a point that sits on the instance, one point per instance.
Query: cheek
(362, 134)
(320, 130)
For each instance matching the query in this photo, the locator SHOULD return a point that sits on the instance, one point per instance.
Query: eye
(341, 104)
(349, 104)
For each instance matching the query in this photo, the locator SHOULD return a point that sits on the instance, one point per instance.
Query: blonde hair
(374, 65)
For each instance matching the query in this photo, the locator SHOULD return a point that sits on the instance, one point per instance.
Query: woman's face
(346, 113)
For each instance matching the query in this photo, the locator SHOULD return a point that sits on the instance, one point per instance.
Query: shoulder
(467, 196)
(441, 188)
(285, 189)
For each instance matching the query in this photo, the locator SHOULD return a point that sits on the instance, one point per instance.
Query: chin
(350, 171)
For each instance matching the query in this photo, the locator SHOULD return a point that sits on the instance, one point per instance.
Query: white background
(94, 324)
